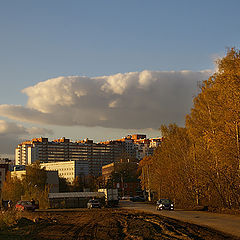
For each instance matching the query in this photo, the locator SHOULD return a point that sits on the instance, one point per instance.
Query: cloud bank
(136, 100)
(11, 134)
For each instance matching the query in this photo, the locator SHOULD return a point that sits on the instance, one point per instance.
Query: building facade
(138, 145)
(68, 169)
(127, 186)
(95, 155)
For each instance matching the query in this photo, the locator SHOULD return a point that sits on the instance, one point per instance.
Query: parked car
(137, 199)
(25, 205)
(165, 204)
(93, 203)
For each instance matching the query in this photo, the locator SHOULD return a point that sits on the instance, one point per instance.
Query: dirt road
(222, 222)
(105, 224)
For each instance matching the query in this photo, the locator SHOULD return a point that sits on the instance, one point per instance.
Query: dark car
(25, 205)
(93, 203)
(138, 199)
(165, 204)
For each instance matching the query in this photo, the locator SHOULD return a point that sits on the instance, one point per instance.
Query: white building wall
(18, 174)
(65, 169)
(24, 154)
(32, 155)
(21, 154)
(68, 169)
(17, 156)
(29, 155)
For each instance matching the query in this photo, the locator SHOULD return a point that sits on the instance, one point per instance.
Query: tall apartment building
(138, 145)
(146, 147)
(62, 150)
(95, 154)
(21, 154)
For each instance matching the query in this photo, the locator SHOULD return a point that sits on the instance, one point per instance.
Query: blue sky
(41, 40)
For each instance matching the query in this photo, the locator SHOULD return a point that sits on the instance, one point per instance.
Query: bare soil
(105, 224)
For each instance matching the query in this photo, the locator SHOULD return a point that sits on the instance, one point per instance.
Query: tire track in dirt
(149, 226)
(109, 224)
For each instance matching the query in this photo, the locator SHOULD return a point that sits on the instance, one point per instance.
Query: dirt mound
(107, 224)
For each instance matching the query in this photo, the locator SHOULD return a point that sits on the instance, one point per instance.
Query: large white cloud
(11, 134)
(136, 100)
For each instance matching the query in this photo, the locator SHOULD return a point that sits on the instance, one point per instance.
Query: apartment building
(96, 155)
(138, 145)
(146, 147)
(22, 155)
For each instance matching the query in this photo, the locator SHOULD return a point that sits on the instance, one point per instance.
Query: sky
(105, 69)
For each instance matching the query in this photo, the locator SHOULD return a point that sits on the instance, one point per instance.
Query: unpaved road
(105, 224)
(222, 222)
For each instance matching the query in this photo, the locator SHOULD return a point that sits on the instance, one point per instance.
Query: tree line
(199, 164)
(32, 185)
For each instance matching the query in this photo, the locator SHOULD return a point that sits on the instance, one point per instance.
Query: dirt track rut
(107, 224)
